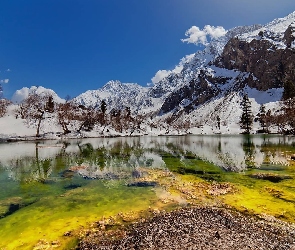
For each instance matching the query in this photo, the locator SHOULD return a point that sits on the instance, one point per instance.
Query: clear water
(52, 187)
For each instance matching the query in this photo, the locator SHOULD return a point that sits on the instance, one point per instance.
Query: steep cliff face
(197, 92)
(271, 66)
(199, 80)
(289, 36)
(254, 57)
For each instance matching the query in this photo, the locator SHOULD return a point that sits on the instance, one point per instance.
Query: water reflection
(107, 158)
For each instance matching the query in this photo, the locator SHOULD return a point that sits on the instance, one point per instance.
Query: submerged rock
(270, 177)
(142, 184)
(136, 173)
(14, 206)
(72, 186)
(67, 173)
(100, 176)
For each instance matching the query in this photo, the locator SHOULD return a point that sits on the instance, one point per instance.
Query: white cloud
(20, 95)
(161, 74)
(215, 32)
(4, 81)
(23, 93)
(8, 70)
(197, 36)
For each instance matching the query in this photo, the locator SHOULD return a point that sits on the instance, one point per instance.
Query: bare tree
(33, 109)
(87, 118)
(127, 120)
(3, 106)
(279, 120)
(65, 115)
(116, 120)
(268, 119)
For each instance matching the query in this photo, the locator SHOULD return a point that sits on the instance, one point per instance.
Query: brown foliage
(33, 109)
(3, 106)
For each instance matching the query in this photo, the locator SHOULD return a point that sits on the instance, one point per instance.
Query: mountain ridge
(257, 60)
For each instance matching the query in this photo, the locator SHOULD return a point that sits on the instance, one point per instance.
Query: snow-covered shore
(17, 129)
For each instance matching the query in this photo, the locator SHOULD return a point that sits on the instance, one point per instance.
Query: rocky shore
(197, 228)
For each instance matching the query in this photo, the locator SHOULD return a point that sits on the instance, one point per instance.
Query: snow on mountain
(191, 66)
(256, 60)
(273, 31)
(150, 99)
(117, 95)
(23, 93)
(203, 83)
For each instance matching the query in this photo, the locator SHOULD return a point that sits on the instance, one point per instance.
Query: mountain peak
(256, 59)
(113, 84)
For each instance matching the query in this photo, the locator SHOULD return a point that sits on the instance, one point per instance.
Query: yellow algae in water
(47, 220)
(265, 198)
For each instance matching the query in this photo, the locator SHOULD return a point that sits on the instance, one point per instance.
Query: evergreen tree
(218, 122)
(102, 115)
(50, 104)
(246, 119)
(262, 118)
(103, 106)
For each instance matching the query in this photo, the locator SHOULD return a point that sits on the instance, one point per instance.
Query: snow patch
(263, 97)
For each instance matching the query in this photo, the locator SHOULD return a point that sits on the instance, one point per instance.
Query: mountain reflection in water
(119, 158)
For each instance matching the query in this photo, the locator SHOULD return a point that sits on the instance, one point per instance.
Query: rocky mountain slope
(257, 60)
(247, 59)
(117, 95)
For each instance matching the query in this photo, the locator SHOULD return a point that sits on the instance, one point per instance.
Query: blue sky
(72, 46)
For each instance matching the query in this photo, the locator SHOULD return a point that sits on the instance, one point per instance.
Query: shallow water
(50, 188)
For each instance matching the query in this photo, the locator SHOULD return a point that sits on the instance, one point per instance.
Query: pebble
(201, 228)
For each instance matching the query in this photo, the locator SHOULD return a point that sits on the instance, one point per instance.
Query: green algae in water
(52, 216)
(39, 204)
(264, 178)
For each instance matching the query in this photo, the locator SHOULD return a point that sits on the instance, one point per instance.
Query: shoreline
(11, 139)
(198, 227)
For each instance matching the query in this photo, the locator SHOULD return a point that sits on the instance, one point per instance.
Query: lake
(50, 191)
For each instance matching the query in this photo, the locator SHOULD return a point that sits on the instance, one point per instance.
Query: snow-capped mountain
(258, 60)
(117, 95)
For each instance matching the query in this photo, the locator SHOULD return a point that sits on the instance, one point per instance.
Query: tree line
(283, 119)
(74, 117)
